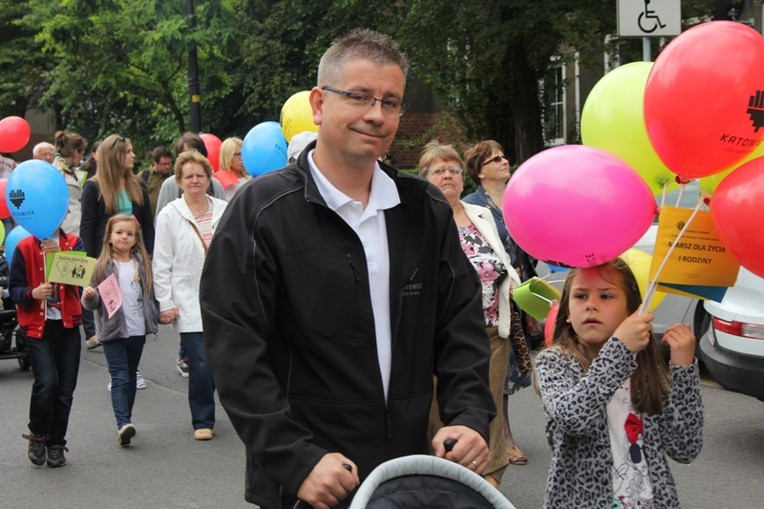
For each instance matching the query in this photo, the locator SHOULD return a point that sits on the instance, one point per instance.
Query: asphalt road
(166, 468)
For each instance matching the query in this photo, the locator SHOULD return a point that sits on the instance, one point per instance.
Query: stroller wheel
(21, 349)
(23, 359)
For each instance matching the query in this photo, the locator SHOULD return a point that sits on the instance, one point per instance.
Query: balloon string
(663, 194)
(681, 192)
(654, 282)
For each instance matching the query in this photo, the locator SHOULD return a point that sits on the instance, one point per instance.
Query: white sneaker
(108, 387)
(140, 382)
(182, 366)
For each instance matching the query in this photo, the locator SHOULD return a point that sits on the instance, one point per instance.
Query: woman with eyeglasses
(114, 190)
(185, 228)
(488, 167)
(231, 173)
(443, 167)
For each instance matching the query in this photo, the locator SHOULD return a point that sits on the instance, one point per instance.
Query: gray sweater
(116, 326)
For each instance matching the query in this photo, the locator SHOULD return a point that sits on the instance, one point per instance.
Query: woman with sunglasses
(442, 166)
(488, 167)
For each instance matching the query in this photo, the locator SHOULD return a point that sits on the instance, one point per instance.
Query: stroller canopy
(426, 481)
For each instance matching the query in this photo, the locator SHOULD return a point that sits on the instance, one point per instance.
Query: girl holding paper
(121, 293)
(49, 315)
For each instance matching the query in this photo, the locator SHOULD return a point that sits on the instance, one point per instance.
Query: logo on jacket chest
(413, 286)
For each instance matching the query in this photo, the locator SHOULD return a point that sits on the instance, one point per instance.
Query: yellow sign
(70, 269)
(699, 258)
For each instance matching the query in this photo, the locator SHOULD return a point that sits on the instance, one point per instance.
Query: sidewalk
(164, 468)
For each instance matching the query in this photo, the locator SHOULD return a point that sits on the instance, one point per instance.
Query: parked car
(732, 347)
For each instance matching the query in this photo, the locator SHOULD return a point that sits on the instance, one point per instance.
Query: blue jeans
(201, 388)
(88, 323)
(122, 356)
(55, 361)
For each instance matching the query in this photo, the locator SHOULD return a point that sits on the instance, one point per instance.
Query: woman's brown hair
(112, 173)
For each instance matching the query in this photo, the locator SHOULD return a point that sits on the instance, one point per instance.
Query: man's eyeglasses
(454, 170)
(389, 106)
(496, 159)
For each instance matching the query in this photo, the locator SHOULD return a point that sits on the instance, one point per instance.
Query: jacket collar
(302, 166)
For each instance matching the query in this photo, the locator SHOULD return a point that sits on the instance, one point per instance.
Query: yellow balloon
(612, 120)
(710, 183)
(2, 232)
(297, 115)
(639, 263)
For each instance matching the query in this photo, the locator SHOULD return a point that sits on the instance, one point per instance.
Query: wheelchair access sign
(649, 18)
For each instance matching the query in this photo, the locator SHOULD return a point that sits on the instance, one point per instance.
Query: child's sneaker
(36, 451)
(56, 456)
(182, 366)
(125, 434)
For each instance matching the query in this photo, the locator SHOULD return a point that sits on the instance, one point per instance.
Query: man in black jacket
(333, 291)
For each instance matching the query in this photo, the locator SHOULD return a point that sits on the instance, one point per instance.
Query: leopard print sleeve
(575, 401)
(681, 422)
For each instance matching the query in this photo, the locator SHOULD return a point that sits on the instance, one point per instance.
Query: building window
(553, 93)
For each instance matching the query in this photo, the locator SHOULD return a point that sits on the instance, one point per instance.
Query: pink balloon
(737, 212)
(704, 98)
(212, 144)
(577, 206)
(14, 134)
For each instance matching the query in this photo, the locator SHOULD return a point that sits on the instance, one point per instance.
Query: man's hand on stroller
(330, 481)
(470, 450)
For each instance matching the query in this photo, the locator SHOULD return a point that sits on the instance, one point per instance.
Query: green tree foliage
(485, 58)
(21, 63)
(122, 66)
(108, 66)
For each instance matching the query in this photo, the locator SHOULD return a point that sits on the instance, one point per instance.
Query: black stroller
(426, 481)
(12, 340)
(13, 343)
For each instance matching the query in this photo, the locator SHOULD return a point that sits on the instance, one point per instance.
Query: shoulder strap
(198, 234)
(145, 176)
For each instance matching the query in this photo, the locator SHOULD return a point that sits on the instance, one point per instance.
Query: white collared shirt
(369, 224)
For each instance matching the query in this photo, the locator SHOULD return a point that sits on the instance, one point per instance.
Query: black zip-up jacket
(290, 331)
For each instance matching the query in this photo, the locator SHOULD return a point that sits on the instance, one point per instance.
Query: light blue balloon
(37, 197)
(11, 241)
(264, 148)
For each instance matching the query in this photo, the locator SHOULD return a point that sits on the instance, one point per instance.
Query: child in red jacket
(49, 314)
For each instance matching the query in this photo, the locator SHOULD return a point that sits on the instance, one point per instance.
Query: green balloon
(612, 120)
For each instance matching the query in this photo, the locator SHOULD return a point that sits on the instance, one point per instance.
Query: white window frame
(561, 103)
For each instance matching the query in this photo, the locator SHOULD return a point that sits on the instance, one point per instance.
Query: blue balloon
(264, 148)
(11, 241)
(37, 197)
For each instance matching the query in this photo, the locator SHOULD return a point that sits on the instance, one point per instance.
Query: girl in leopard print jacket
(614, 409)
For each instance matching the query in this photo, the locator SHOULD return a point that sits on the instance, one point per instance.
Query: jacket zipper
(351, 263)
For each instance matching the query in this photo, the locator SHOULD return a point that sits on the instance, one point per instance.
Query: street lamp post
(193, 75)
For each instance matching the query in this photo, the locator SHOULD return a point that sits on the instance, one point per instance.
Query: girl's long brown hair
(650, 381)
(99, 273)
(112, 173)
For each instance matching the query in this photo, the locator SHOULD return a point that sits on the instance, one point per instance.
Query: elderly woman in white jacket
(184, 230)
(443, 167)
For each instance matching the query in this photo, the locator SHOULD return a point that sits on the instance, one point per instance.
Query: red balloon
(212, 143)
(704, 98)
(551, 317)
(14, 134)
(4, 211)
(738, 213)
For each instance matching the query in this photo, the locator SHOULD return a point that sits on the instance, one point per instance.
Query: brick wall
(416, 129)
